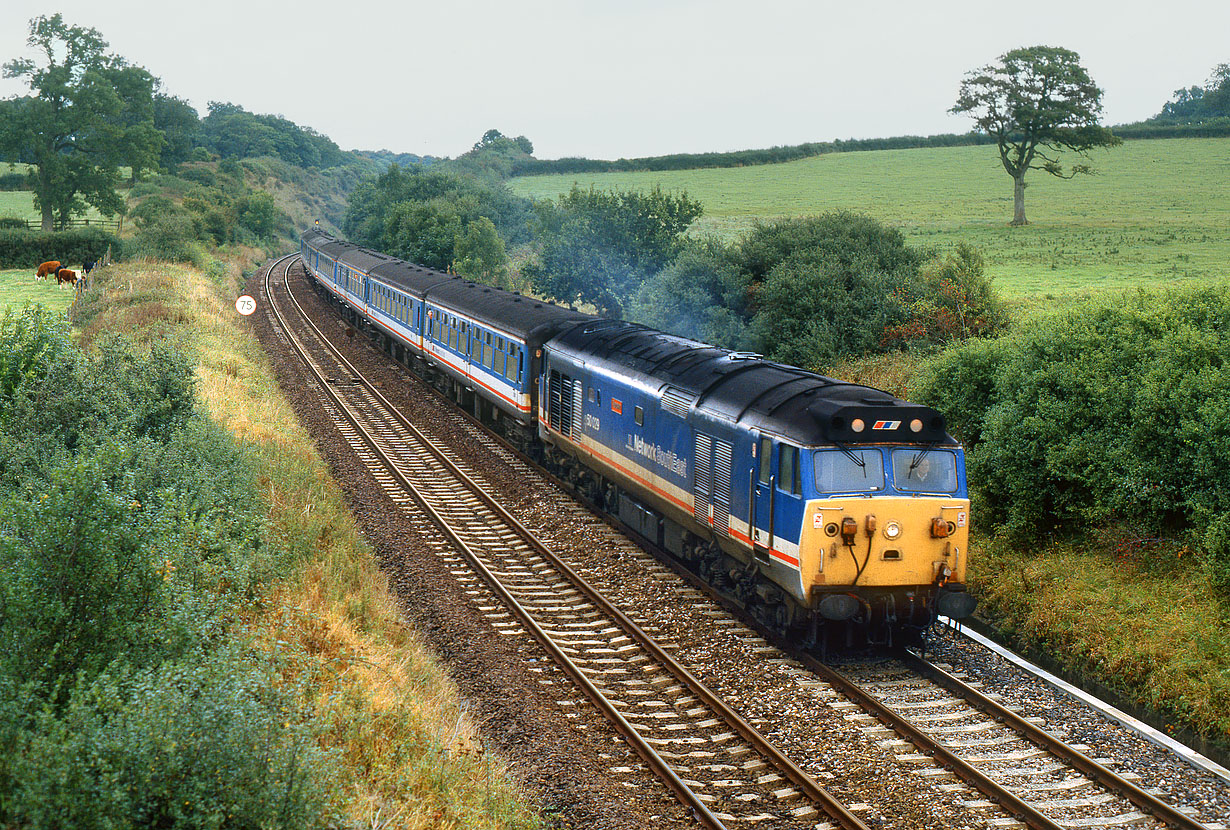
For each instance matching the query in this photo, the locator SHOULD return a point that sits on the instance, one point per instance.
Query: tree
(180, 126)
(90, 112)
(701, 295)
(1036, 102)
(599, 246)
(1216, 103)
(479, 253)
(494, 157)
(370, 215)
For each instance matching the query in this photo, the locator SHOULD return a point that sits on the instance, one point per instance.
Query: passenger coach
(481, 345)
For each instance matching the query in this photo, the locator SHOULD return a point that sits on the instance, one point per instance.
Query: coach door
(761, 497)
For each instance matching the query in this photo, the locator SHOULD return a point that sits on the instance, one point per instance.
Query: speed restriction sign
(245, 305)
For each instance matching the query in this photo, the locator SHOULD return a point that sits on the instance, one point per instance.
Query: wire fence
(113, 225)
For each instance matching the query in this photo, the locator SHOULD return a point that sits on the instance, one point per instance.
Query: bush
(954, 302)
(821, 287)
(27, 249)
(206, 743)
(13, 181)
(1112, 411)
(131, 548)
(76, 581)
(169, 236)
(201, 175)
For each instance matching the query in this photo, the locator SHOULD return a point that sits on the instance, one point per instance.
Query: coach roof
(525, 317)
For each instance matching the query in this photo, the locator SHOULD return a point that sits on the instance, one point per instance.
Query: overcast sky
(607, 78)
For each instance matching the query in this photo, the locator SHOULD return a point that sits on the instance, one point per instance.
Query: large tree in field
(89, 113)
(1036, 103)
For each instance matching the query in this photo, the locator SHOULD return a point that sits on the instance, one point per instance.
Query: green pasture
(18, 203)
(19, 287)
(1156, 213)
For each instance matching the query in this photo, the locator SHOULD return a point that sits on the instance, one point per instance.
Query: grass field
(19, 287)
(1157, 212)
(20, 204)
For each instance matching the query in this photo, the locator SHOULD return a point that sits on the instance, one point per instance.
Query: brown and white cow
(47, 269)
(65, 275)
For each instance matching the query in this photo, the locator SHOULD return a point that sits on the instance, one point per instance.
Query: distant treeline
(388, 157)
(1215, 128)
(1158, 128)
(743, 158)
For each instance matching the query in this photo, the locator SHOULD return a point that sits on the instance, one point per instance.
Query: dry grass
(1152, 630)
(892, 372)
(410, 756)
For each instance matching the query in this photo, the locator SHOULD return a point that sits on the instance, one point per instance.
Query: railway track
(716, 763)
(935, 725)
(944, 726)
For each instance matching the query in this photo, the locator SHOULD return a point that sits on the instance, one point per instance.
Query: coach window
(638, 415)
(766, 459)
(790, 479)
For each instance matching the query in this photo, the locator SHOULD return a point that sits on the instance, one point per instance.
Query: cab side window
(790, 478)
(766, 459)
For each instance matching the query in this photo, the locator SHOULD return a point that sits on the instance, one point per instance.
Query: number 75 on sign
(245, 305)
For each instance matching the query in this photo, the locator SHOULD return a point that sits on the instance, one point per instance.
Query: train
(834, 513)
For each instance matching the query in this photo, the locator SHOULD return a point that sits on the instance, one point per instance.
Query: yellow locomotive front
(885, 534)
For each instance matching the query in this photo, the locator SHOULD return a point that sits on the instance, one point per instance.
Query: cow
(65, 275)
(47, 269)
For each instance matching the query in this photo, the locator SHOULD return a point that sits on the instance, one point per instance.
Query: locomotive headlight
(916, 425)
(892, 530)
(857, 425)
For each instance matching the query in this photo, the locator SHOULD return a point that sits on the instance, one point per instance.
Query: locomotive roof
(747, 389)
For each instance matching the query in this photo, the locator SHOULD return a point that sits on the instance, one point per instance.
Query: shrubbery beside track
(1116, 411)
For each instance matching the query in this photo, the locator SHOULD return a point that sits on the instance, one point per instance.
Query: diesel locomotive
(834, 512)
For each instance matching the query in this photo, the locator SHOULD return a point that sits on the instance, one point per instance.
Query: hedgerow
(132, 542)
(27, 249)
(1113, 411)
